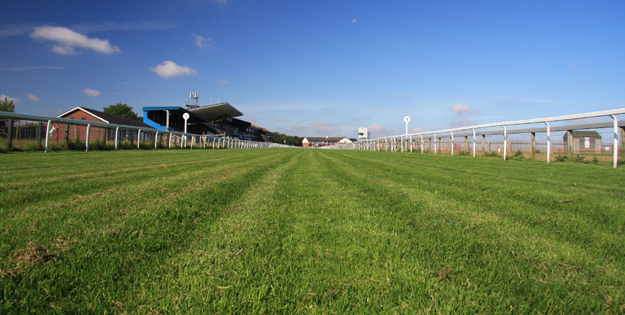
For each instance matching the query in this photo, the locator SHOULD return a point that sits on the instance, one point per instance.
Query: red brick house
(65, 132)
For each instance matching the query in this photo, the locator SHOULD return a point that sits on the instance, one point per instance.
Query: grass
(308, 231)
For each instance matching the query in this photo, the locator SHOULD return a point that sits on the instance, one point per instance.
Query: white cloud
(68, 39)
(202, 42)
(64, 50)
(170, 69)
(354, 21)
(224, 81)
(91, 92)
(14, 99)
(33, 98)
(461, 109)
(251, 119)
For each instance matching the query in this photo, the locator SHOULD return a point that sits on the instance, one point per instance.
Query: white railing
(396, 143)
(202, 140)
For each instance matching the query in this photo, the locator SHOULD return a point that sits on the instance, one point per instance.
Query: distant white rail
(221, 142)
(393, 142)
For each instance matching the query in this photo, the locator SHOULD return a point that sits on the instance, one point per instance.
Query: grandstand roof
(215, 111)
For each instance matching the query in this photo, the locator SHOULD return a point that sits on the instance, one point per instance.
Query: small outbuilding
(583, 142)
(323, 141)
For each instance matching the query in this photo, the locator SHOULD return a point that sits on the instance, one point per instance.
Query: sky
(317, 68)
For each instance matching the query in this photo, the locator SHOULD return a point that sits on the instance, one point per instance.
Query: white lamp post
(407, 120)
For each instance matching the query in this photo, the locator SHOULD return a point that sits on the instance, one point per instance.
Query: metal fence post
(548, 142)
(156, 140)
(87, 138)
(505, 141)
(116, 138)
(48, 136)
(10, 134)
(473, 141)
(169, 147)
(451, 140)
(615, 145)
(139, 139)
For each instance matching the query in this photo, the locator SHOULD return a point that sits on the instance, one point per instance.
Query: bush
(561, 158)
(595, 160)
(517, 156)
(580, 159)
(491, 154)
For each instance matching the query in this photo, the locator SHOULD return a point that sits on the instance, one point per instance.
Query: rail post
(505, 141)
(421, 143)
(615, 145)
(138, 139)
(156, 141)
(87, 138)
(473, 141)
(451, 144)
(116, 137)
(48, 136)
(548, 142)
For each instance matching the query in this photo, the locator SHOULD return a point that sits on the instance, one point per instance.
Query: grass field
(308, 231)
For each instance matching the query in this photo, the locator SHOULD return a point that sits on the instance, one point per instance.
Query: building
(217, 119)
(363, 133)
(583, 142)
(323, 141)
(66, 132)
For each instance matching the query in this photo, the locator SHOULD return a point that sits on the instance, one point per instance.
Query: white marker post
(185, 116)
(407, 120)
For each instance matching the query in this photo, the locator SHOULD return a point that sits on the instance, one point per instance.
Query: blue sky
(315, 68)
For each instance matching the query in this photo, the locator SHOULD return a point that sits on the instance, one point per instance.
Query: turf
(307, 231)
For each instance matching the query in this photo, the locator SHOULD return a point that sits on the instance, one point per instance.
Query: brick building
(323, 141)
(66, 132)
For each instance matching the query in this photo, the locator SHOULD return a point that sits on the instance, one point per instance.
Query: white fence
(410, 141)
(37, 123)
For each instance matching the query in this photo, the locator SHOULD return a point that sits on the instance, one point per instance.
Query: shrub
(561, 158)
(595, 160)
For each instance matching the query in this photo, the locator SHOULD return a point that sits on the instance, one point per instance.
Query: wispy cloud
(15, 30)
(222, 2)
(223, 81)
(507, 99)
(124, 26)
(68, 39)
(14, 99)
(170, 69)
(33, 68)
(461, 123)
(324, 126)
(463, 109)
(354, 21)
(91, 92)
(33, 98)
(202, 42)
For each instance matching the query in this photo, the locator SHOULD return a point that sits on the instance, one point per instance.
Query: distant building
(323, 141)
(217, 119)
(584, 141)
(69, 133)
(363, 133)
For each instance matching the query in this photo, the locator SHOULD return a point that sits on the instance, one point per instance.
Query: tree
(122, 110)
(286, 139)
(7, 106)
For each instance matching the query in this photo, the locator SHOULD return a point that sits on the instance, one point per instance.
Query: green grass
(308, 231)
